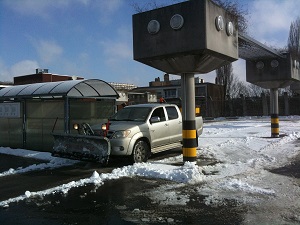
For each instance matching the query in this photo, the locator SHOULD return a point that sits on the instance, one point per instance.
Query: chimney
(166, 77)
(41, 71)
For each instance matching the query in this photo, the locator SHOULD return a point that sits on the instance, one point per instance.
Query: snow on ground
(46, 156)
(242, 152)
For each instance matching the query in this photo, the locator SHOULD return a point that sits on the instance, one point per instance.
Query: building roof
(73, 88)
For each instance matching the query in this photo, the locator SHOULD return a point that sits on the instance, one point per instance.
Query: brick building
(41, 76)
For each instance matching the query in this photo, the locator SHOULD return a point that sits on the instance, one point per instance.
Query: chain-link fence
(250, 106)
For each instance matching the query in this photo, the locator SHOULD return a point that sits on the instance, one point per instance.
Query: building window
(170, 93)
(200, 91)
(159, 94)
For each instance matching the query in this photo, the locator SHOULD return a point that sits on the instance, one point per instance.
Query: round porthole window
(153, 27)
(274, 63)
(260, 65)
(176, 22)
(219, 23)
(229, 28)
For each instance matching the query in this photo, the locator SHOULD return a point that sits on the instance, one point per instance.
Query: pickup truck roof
(151, 105)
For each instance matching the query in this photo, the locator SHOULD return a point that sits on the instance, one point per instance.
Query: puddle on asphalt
(11, 161)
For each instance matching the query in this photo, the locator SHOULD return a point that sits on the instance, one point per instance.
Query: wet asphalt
(119, 201)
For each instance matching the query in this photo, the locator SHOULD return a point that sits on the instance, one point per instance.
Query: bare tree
(236, 12)
(243, 88)
(256, 91)
(151, 4)
(238, 88)
(232, 85)
(238, 16)
(287, 90)
(294, 39)
(225, 77)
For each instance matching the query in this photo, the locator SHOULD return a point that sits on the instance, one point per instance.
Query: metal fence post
(286, 104)
(264, 104)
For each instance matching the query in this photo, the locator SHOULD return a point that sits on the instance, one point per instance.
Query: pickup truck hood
(124, 125)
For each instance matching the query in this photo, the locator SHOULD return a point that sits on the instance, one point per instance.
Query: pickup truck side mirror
(154, 119)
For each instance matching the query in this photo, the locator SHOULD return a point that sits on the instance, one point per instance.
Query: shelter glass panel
(45, 109)
(46, 88)
(30, 89)
(90, 111)
(15, 90)
(11, 133)
(85, 90)
(65, 87)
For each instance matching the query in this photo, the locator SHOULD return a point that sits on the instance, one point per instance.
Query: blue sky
(93, 38)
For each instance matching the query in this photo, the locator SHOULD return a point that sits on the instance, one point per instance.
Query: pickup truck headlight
(103, 126)
(121, 134)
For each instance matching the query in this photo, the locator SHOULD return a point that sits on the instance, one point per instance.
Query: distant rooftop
(122, 86)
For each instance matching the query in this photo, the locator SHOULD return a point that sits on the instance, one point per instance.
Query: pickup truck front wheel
(141, 152)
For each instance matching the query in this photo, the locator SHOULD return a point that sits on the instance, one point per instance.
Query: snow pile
(188, 173)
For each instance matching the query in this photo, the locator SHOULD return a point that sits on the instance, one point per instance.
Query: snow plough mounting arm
(84, 129)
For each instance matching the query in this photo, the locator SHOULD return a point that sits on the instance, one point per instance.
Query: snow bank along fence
(30, 113)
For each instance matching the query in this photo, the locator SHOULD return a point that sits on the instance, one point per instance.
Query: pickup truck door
(175, 124)
(159, 131)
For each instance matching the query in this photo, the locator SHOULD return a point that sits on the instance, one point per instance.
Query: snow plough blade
(82, 147)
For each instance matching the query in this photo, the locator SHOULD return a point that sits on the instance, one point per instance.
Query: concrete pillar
(274, 110)
(286, 104)
(189, 133)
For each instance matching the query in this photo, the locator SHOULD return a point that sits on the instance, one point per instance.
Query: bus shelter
(29, 114)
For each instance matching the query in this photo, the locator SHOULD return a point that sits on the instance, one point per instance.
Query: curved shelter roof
(73, 88)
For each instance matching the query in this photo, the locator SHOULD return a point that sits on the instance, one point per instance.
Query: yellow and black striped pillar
(274, 125)
(189, 134)
(189, 141)
(274, 111)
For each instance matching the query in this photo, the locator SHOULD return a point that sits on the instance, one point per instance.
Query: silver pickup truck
(136, 131)
(140, 130)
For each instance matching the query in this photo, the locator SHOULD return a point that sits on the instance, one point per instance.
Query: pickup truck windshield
(132, 114)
